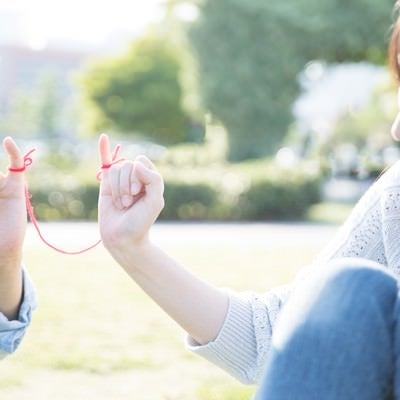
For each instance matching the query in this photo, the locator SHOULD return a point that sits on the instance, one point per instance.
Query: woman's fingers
(114, 183)
(16, 160)
(153, 182)
(121, 180)
(125, 178)
(104, 150)
(105, 159)
(128, 181)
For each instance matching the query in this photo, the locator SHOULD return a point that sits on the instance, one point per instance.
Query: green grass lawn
(96, 336)
(329, 213)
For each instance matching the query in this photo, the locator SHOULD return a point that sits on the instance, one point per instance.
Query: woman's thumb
(145, 175)
(151, 179)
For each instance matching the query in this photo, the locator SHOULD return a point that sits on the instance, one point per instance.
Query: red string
(114, 160)
(30, 209)
(27, 162)
(34, 221)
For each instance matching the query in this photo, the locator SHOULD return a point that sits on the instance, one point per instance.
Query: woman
(340, 325)
(339, 337)
(17, 298)
(230, 329)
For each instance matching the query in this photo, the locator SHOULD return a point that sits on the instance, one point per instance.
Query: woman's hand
(12, 231)
(12, 208)
(130, 200)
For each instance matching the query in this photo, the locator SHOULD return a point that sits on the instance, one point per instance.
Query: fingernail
(126, 201)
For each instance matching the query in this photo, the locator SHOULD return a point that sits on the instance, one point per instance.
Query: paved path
(268, 234)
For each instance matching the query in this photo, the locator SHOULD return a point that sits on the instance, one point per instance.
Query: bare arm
(12, 232)
(131, 198)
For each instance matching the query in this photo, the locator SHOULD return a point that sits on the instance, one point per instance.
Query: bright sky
(85, 21)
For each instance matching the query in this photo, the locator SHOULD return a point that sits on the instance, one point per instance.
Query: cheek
(396, 128)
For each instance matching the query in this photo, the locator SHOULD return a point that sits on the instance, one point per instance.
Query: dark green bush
(53, 203)
(189, 201)
(273, 194)
(278, 198)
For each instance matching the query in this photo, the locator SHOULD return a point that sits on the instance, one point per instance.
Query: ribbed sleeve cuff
(234, 349)
(12, 332)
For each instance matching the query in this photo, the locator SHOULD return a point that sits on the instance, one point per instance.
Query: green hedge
(267, 194)
(55, 203)
(277, 199)
(189, 201)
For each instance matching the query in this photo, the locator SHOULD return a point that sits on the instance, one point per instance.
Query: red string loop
(27, 162)
(114, 160)
(30, 210)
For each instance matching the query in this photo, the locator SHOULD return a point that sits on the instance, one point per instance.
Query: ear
(395, 131)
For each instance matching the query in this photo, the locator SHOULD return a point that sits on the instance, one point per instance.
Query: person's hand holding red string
(130, 199)
(12, 229)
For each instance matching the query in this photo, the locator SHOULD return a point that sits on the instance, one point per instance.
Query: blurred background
(275, 112)
(231, 99)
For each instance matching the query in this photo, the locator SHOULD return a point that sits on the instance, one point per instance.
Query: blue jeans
(338, 337)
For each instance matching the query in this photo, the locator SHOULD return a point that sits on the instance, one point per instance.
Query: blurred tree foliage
(138, 92)
(342, 31)
(35, 112)
(369, 125)
(366, 130)
(248, 62)
(250, 53)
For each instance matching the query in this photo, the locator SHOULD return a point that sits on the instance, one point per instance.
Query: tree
(138, 92)
(247, 82)
(250, 53)
(343, 31)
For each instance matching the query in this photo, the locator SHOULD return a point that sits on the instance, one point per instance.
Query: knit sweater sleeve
(242, 345)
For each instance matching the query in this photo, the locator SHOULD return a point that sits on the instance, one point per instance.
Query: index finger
(14, 153)
(104, 150)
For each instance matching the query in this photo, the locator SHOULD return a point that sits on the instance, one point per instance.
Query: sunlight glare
(88, 21)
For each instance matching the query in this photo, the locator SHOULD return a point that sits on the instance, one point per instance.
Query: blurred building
(22, 68)
(12, 27)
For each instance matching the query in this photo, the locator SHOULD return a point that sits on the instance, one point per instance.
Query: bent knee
(358, 271)
(358, 279)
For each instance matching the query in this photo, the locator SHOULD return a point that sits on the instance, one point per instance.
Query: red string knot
(114, 160)
(27, 162)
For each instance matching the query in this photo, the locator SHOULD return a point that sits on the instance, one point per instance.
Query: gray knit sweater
(372, 231)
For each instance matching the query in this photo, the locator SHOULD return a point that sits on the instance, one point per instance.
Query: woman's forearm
(130, 200)
(198, 307)
(10, 286)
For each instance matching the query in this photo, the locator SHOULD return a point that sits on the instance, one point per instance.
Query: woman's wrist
(11, 287)
(10, 263)
(131, 253)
